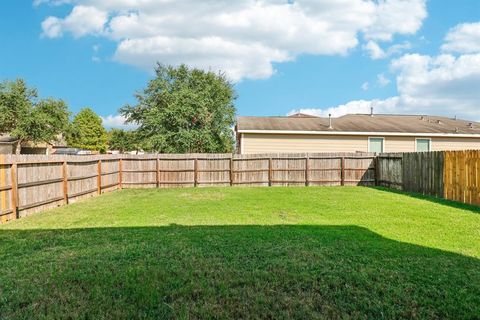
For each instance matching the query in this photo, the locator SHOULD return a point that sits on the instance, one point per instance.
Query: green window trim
(423, 145)
(376, 145)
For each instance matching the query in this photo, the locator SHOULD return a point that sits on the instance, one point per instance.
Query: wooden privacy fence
(452, 175)
(420, 172)
(462, 176)
(30, 184)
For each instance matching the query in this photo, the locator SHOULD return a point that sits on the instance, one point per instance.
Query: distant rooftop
(361, 123)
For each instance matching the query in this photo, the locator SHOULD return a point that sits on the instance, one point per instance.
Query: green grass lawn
(244, 253)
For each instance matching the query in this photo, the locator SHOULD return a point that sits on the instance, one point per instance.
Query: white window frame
(383, 143)
(429, 144)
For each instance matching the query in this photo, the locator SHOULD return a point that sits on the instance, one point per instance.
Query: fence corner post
(65, 181)
(342, 173)
(269, 172)
(157, 173)
(307, 171)
(231, 170)
(195, 172)
(99, 176)
(120, 173)
(14, 191)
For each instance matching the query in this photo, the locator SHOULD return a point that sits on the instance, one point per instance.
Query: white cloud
(201, 53)
(464, 38)
(382, 80)
(376, 52)
(81, 21)
(52, 27)
(116, 121)
(396, 16)
(243, 38)
(444, 84)
(357, 106)
(365, 86)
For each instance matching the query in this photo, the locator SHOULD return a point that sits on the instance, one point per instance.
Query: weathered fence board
(390, 170)
(32, 183)
(423, 173)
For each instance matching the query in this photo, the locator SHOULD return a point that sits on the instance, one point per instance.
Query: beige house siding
(264, 143)
(441, 144)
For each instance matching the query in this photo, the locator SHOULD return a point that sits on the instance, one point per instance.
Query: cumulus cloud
(376, 52)
(464, 38)
(444, 84)
(357, 106)
(116, 121)
(81, 21)
(382, 80)
(243, 38)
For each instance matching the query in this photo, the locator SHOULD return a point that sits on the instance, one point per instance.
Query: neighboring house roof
(360, 124)
(5, 139)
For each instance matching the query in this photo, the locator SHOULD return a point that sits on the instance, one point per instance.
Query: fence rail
(29, 184)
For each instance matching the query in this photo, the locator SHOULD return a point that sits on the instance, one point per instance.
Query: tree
(185, 110)
(26, 118)
(87, 132)
(123, 140)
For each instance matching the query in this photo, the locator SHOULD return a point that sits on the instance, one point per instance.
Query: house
(355, 133)
(8, 145)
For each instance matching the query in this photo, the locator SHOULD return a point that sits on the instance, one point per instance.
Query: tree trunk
(18, 147)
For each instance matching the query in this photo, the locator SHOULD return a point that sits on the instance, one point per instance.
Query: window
(375, 145)
(423, 145)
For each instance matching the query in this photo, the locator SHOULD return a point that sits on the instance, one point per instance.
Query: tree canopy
(25, 117)
(185, 110)
(87, 131)
(123, 140)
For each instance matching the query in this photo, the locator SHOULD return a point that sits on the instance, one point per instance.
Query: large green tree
(185, 110)
(123, 140)
(87, 131)
(27, 118)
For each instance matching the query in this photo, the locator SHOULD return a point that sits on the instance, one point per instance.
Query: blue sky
(323, 56)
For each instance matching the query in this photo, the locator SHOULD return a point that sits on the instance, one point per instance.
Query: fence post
(99, 177)
(307, 171)
(157, 174)
(231, 171)
(269, 172)
(195, 172)
(3, 183)
(65, 182)
(14, 194)
(342, 164)
(120, 173)
(376, 163)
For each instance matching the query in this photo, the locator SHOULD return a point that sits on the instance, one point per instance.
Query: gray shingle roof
(362, 123)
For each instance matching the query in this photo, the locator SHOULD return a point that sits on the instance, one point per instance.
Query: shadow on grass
(231, 272)
(445, 202)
